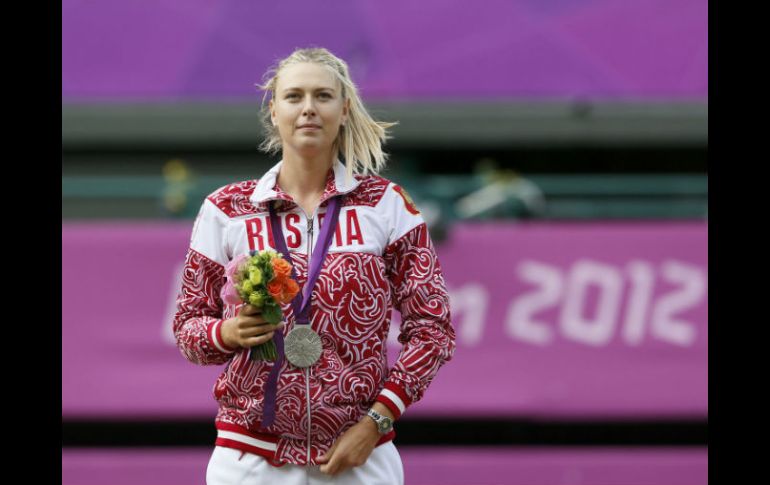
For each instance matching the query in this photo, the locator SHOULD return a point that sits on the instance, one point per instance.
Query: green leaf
(272, 313)
(267, 273)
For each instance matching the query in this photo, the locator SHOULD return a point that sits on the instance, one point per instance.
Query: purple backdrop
(422, 466)
(568, 319)
(174, 49)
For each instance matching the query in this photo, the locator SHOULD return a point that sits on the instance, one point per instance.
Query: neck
(304, 176)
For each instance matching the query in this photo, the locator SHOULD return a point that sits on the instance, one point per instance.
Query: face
(308, 108)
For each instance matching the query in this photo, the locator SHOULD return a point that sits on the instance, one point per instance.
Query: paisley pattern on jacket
(382, 258)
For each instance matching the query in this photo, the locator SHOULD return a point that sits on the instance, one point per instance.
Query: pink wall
(570, 320)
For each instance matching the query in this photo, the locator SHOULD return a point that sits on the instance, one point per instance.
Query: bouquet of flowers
(262, 279)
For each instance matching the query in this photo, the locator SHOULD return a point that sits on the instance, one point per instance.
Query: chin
(311, 148)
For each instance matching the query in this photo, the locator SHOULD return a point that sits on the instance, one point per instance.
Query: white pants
(383, 467)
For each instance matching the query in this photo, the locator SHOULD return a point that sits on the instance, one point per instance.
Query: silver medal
(302, 346)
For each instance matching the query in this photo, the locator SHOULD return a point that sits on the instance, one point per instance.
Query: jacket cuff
(394, 398)
(214, 332)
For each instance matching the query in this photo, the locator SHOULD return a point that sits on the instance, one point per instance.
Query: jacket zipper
(307, 369)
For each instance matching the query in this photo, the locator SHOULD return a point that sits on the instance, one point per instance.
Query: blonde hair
(359, 140)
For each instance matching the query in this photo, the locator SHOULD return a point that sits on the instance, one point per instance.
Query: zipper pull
(310, 238)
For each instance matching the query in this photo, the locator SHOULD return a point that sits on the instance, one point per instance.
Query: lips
(309, 125)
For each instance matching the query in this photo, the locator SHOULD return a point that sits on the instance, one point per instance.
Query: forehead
(307, 76)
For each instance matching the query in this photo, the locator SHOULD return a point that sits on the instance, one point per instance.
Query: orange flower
(281, 268)
(275, 288)
(290, 290)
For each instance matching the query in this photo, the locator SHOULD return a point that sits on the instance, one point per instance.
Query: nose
(308, 109)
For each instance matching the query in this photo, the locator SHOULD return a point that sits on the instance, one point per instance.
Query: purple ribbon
(301, 302)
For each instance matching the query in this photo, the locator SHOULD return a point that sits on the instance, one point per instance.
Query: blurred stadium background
(558, 151)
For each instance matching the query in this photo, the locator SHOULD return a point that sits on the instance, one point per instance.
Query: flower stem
(266, 351)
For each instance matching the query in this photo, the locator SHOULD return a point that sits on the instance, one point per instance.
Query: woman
(332, 415)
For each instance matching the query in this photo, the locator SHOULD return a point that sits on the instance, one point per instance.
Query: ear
(345, 111)
(272, 111)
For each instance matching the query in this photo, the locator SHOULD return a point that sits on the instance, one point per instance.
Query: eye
(292, 96)
(325, 95)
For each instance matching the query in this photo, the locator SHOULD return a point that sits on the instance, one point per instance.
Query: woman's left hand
(351, 449)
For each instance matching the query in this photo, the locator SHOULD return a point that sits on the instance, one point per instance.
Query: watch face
(385, 424)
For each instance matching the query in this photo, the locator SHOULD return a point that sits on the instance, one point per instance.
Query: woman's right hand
(248, 328)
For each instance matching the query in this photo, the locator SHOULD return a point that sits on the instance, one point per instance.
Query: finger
(250, 316)
(250, 342)
(326, 456)
(260, 330)
(249, 310)
(335, 466)
(331, 462)
(255, 328)
(251, 321)
(329, 468)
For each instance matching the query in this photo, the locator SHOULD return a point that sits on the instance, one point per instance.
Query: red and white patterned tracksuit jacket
(380, 257)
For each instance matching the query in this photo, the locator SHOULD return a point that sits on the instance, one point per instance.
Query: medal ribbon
(301, 302)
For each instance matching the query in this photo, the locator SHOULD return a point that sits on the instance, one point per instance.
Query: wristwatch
(384, 423)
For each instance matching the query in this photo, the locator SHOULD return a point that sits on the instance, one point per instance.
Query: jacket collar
(336, 184)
